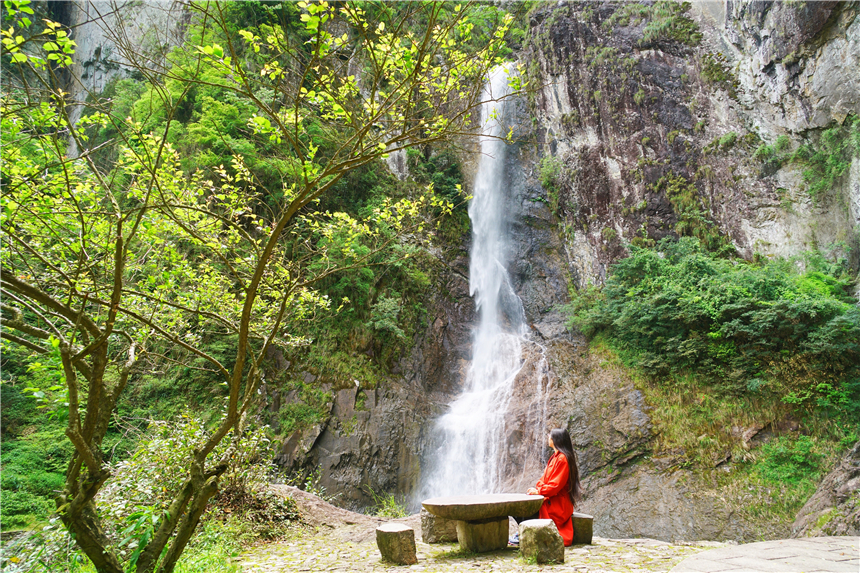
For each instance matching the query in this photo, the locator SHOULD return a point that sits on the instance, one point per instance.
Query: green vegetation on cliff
(745, 329)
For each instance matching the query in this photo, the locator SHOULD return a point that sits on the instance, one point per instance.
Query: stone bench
(482, 520)
(541, 541)
(396, 543)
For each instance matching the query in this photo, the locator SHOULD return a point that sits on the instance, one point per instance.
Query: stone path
(805, 555)
(334, 539)
(322, 552)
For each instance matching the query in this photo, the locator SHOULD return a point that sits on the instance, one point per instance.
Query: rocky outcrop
(834, 509)
(654, 134)
(798, 64)
(373, 439)
(114, 36)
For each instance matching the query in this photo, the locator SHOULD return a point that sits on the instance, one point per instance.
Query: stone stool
(582, 528)
(540, 539)
(396, 543)
(437, 529)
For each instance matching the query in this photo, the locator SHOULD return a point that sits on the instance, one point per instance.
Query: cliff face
(111, 35)
(653, 120)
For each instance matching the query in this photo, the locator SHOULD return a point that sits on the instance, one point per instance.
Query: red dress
(557, 505)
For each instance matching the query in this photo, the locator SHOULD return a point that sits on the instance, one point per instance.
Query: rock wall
(834, 509)
(110, 35)
(625, 115)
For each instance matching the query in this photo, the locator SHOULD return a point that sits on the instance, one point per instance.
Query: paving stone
(782, 556)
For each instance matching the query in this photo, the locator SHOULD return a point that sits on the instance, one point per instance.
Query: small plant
(387, 504)
(639, 96)
(830, 158)
(728, 140)
(665, 20)
(715, 71)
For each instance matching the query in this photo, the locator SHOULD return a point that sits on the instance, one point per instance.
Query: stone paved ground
(325, 552)
(805, 555)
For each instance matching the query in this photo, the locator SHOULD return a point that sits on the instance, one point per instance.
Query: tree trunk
(90, 537)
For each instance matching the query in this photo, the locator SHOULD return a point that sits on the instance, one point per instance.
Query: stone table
(482, 520)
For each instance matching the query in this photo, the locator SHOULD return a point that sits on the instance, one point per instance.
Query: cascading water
(472, 433)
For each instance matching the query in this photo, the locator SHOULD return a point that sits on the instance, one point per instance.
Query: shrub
(744, 328)
(784, 460)
(828, 160)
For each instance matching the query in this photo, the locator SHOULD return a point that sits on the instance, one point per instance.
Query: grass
(387, 504)
(697, 420)
(457, 553)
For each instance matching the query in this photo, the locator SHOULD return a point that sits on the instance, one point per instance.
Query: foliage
(830, 158)
(148, 479)
(715, 72)
(550, 172)
(664, 20)
(387, 505)
(775, 155)
(692, 218)
(823, 162)
(784, 460)
(746, 329)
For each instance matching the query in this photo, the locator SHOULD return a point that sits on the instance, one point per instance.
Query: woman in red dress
(560, 485)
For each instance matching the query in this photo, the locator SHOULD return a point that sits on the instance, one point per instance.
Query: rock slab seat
(583, 525)
(437, 529)
(541, 541)
(396, 543)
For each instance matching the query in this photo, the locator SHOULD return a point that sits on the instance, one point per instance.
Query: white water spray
(470, 456)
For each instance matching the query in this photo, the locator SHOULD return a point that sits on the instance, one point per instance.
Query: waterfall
(472, 433)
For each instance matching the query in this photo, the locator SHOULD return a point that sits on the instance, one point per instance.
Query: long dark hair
(561, 440)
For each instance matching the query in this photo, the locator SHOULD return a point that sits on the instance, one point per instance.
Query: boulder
(437, 529)
(582, 528)
(540, 540)
(396, 543)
